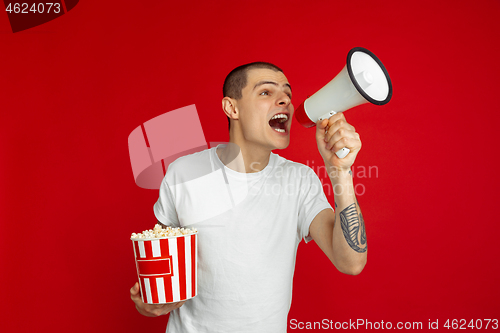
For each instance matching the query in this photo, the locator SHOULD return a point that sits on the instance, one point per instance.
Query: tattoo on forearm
(353, 227)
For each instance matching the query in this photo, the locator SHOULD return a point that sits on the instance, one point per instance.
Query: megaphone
(363, 79)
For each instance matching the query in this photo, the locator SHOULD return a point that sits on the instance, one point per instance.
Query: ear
(229, 107)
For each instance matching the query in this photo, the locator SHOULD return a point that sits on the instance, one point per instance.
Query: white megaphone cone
(364, 79)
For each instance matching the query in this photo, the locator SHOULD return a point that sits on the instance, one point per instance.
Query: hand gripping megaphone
(363, 79)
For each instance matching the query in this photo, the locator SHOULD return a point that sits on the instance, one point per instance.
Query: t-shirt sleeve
(312, 201)
(164, 208)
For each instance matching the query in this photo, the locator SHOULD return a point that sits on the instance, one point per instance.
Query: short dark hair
(236, 80)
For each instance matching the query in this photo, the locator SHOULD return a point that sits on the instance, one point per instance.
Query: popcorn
(159, 232)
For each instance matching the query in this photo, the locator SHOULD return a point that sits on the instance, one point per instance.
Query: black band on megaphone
(358, 87)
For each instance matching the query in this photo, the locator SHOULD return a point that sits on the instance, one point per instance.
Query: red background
(74, 88)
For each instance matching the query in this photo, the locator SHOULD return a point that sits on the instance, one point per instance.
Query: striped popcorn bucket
(166, 268)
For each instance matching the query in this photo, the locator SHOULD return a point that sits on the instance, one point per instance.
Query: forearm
(349, 234)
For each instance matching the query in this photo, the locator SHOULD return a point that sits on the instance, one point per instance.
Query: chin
(282, 145)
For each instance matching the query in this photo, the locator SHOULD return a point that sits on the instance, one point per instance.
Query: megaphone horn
(363, 79)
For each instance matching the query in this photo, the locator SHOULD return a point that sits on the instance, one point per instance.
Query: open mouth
(278, 122)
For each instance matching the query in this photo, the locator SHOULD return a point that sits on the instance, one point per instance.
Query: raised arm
(341, 235)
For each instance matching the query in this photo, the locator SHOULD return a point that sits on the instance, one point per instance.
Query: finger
(179, 304)
(135, 294)
(339, 116)
(320, 128)
(339, 134)
(163, 309)
(135, 289)
(336, 116)
(352, 144)
(339, 123)
(151, 310)
(321, 124)
(332, 121)
(335, 126)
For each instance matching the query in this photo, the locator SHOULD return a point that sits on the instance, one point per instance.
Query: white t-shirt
(249, 227)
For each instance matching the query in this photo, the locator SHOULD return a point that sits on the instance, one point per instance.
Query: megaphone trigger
(343, 152)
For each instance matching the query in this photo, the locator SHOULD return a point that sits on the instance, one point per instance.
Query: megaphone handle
(344, 151)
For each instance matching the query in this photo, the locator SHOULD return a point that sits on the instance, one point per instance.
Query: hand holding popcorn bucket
(166, 261)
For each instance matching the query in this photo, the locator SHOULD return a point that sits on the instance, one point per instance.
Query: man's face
(265, 109)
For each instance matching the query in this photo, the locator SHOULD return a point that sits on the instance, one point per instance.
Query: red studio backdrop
(75, 87)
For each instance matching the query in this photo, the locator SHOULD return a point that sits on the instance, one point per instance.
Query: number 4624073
(24, 8)
(477, 324)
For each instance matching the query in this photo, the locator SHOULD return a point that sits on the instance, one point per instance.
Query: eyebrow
(273, 83)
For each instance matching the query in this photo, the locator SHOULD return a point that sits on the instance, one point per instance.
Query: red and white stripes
(166, 268)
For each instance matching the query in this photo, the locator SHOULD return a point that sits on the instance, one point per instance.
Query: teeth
(279, 130)
(282, 116)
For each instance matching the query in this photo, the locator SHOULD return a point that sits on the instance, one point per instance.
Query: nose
(283, 99)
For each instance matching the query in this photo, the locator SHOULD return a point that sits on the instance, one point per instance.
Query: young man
(253, 208)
